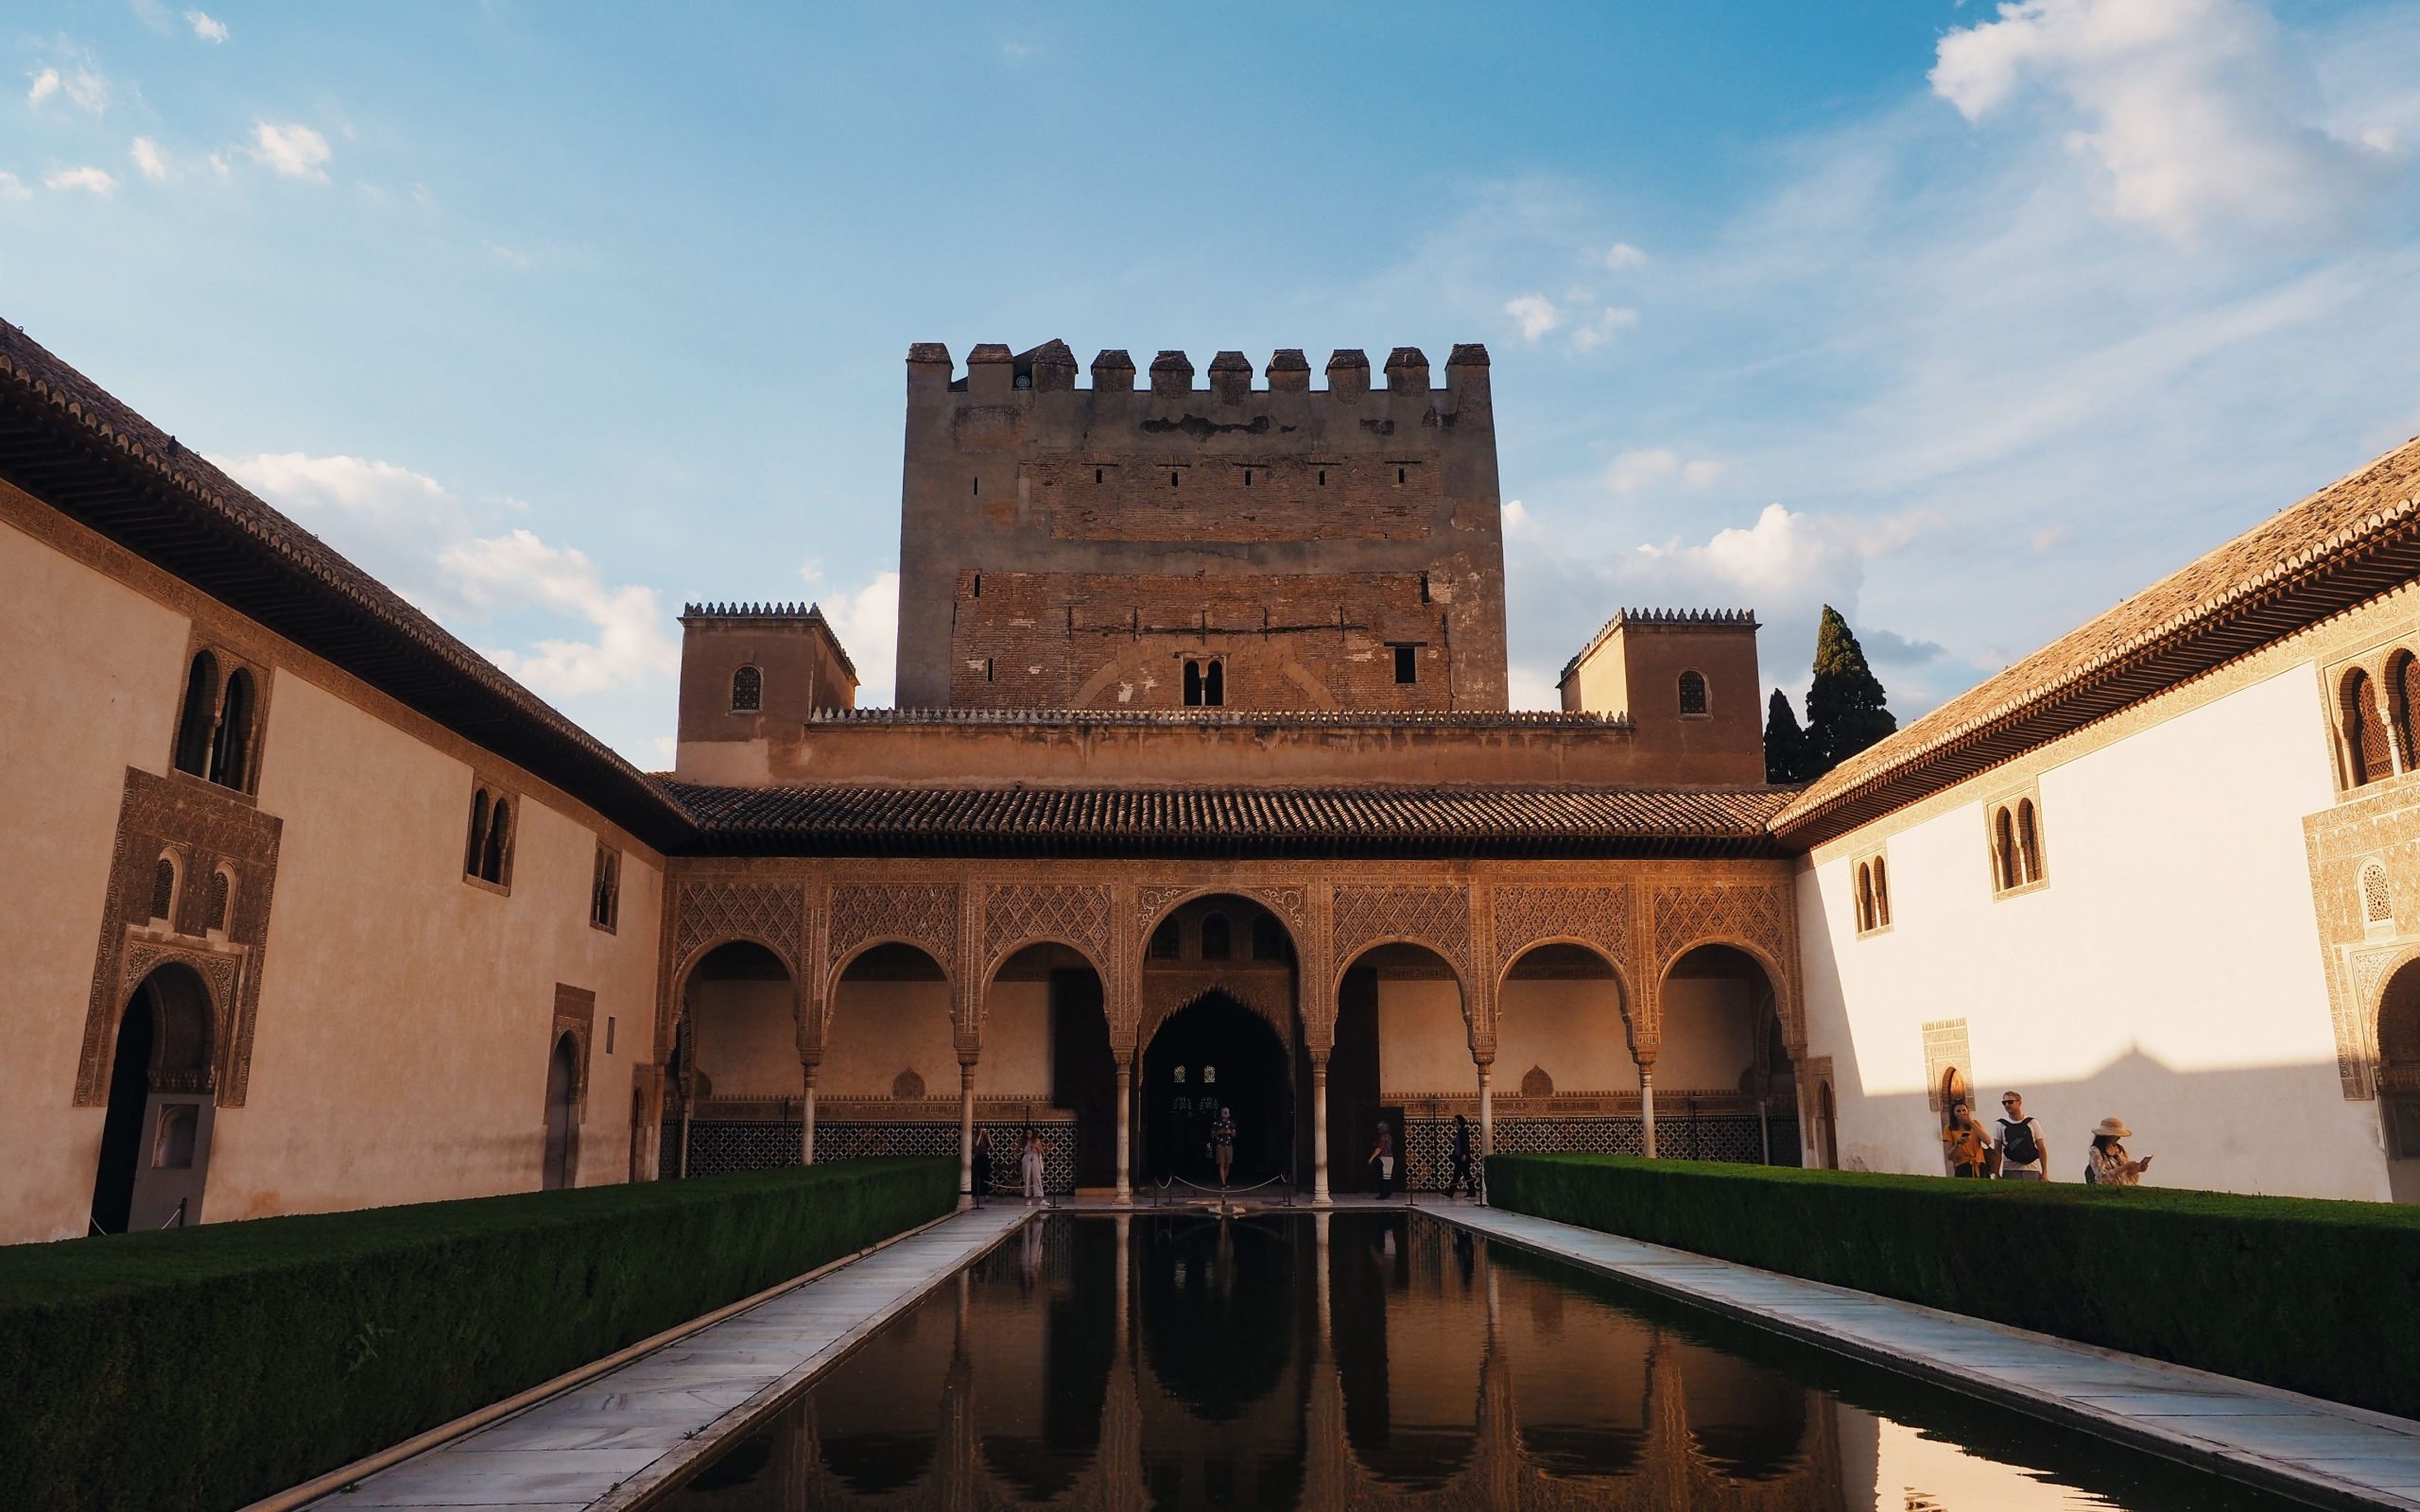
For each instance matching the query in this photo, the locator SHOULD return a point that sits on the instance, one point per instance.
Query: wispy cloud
(87, 179)
(1600, 328)
(1534, 314)
(83, 87)
(292, 151)
(1647, 468)
(148, 160)
(1621, 257)
(866, 618)
(207, 27)
(12, 187)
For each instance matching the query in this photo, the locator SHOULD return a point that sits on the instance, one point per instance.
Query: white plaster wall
(1423, 1043)
(881, 1028)
(89, 687)
(2170, 973)
(1571, 1028)
(746, 1038)
(1710, 1034)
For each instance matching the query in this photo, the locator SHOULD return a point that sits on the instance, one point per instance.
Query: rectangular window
(605, 889)
(1407, 663)
(609, 1034)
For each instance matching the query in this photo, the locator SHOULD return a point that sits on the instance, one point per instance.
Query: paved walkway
(2300, 1445)
(654, 1419)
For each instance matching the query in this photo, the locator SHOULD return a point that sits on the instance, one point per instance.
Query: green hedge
(206, 1368)
(2316, 1297)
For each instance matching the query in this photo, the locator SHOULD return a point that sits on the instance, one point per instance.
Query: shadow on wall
(2283, 1131)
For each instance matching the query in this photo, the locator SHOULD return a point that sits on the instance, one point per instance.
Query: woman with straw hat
(2107, 1164)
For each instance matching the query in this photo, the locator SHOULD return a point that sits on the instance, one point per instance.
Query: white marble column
(1486, 1119)
(807, 1117)
(1318, 1130)
(966, 1133)
(1125, 1137)
(1646, 1107)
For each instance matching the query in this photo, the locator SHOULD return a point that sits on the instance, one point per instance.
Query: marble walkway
(606, 1442)
(2313, 1449)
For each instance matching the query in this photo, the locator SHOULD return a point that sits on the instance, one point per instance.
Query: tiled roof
(1512, 822)
(68, 442)
(2344, 545)
(1233, 718)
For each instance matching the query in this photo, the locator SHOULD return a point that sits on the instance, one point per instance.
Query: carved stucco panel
(1438, 918)
(716, 912)
(1017, 913)
(1595, 916)
(925, 916)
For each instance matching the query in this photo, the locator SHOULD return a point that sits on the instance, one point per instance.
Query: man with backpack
(2025, 1156)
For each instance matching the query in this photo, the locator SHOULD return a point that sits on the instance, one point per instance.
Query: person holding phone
(2108, 1165)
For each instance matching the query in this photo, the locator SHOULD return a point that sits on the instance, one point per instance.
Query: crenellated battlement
(993, 371)
(751, 611)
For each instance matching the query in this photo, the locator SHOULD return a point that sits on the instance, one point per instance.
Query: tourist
(2025, 1155)
(2108, 1165)
(1460, 1153)
(1223, 1139)
(1382, 1162)
(982, 1164)
(1032, 1163)
(1964, 1143)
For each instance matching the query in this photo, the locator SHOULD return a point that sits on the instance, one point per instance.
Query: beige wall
(406, 1016)
(1423, 1045)
(746, 1038)
(1709, 1033)
(77, 709)
(881, 1027)
(2168, 974)
(1572, 1029)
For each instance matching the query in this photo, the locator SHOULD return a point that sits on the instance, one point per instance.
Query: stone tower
(1274, 547)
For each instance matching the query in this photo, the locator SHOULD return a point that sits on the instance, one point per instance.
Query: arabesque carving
(1438, 918)
(1596, 915)
(1754, 915)
(1018, 913)
(716, 912)
(923, 915)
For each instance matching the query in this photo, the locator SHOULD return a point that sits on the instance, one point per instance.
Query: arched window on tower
(498, 854)
(2004, 861)
(163, 890)
(2403, 706)
(222, 902)
(201, 707)
(2366, 756)
(2029, 842)
(1218, 937)
(2377, 895)
(1881, 894)
(1693, 698)
(231, 753)
(476, 848)
(1213, 684)
(1193, 684)
(1864, 898)
(747, 691)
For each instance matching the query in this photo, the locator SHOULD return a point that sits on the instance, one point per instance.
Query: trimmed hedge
(2317, 1297)
(207, 1367)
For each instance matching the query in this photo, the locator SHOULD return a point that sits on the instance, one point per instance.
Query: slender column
(966, 1132)
(1486, 1118)
(1318, 1136)
(806, 1117)
(1647, 1106)
(1125, 1135)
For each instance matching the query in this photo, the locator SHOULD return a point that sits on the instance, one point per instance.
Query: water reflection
(1372, 1360)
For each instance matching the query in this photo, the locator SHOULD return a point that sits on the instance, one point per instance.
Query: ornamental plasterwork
(1438, 918)
(1015, 914)
(1290, 904)
(1685, 917)
(1596, 915)
(716, 913)
(923, 915)
(1166, 991)
(2378, 825)
(207, 828)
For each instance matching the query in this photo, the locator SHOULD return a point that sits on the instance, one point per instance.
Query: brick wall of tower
(1069, 547)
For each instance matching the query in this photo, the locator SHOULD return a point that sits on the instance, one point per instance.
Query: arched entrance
(1213, 1054)
(155, 1137)
(2399, 1081)
(1718, 1094)
(561, 1167)
(734, 1082)
(1402, 1058)
(1047, 1064)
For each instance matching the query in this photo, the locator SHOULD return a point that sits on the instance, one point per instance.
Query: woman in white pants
(1031, 1162)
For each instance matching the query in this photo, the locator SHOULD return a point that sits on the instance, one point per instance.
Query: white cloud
(12, 187)
(511, 255)
(1520, 525)
(1600, 328)
(1647, 468)
(220, 166)
(867, 620)
(292, 151)
(149, 159)
(90, 179)
(83, 87)
(209, 28)
(1622, 256)
(1535, 314)
(580, 634)
(2194, 111)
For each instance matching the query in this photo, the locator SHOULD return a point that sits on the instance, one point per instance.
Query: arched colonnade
(976, 970)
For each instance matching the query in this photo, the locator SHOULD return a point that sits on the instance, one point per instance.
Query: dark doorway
(155, 1136)
(1217, 1054)
(1083, 1073)
(1352, 1083)
(562, 1115)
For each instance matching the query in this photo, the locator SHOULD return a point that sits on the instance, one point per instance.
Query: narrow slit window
(1213, 684)
(1399, 475)
(1193, 684)
(1407, 664)
(1096, 474)
(1423, 587)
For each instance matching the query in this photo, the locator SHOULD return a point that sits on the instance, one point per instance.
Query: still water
(1381, 1360)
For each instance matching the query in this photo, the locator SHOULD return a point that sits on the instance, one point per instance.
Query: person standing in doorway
(1963, 1142)
(2025, 1155)
(2108, 1164)
(1382, 1162)
(1460, 1154)
(1222, 1141)
(982, 1164)
(1032, 1163)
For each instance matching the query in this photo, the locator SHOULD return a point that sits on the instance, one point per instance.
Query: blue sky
(1968, 319)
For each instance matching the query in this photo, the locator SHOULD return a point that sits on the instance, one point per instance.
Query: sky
(1970, 321)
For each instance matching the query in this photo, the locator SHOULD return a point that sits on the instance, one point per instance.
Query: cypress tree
(1785, 743)
(1846, 711)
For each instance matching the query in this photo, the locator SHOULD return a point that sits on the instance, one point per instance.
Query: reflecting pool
(1381, 1360)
